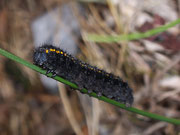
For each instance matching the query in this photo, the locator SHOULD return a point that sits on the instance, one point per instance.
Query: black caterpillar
(58, 62)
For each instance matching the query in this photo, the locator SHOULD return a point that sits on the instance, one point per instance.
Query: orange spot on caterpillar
(57, 52)
(52, 50)
(61, 52)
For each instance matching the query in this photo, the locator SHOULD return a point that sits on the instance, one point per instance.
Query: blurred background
(30, 104)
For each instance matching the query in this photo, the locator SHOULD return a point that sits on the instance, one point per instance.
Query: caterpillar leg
(51, 71)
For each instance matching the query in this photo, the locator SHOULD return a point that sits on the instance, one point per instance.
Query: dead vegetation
(151, 66)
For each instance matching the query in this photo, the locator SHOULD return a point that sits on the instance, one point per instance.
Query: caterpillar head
(40, 56)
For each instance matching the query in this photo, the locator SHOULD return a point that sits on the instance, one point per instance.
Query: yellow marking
(47, 51)
(57, 52)
(52, 50)
(65, 54)
(61, 52)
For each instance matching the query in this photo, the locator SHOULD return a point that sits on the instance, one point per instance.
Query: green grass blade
(131, 109)
(133, 36)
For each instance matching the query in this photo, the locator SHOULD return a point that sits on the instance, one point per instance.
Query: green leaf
(131, 109)
(133, 36)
